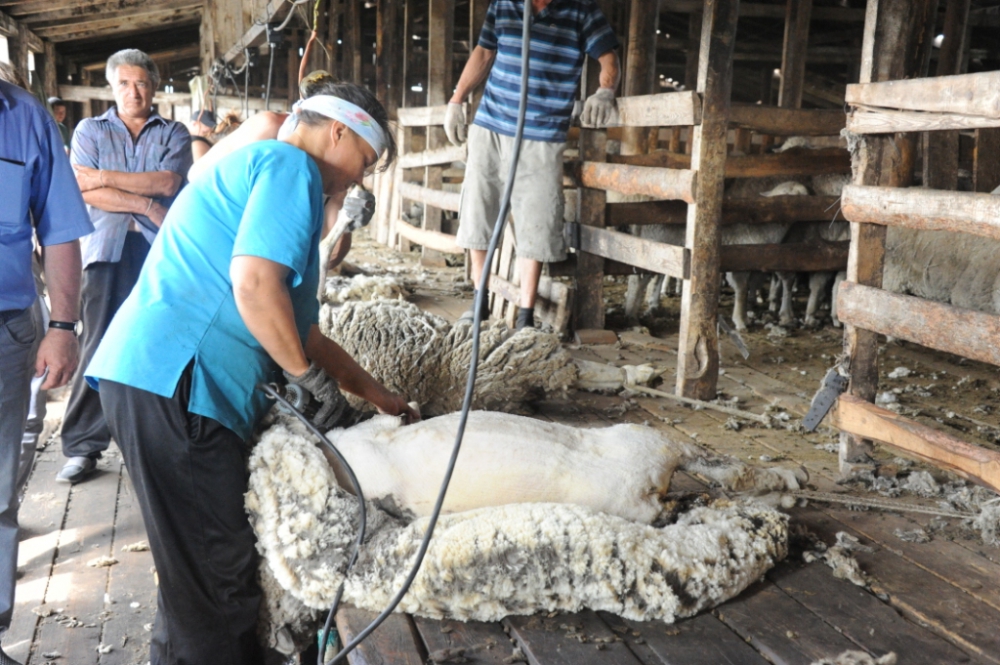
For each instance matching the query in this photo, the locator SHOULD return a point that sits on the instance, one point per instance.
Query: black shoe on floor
(470, 314)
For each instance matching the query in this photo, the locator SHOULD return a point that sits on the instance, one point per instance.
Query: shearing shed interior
(756, 418)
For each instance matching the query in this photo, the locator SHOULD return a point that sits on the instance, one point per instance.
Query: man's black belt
(11, 314)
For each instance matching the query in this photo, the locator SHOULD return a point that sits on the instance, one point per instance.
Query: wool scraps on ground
(489, 563)
(426, 359)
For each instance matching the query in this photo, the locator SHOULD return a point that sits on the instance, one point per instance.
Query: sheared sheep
(491, 562)
(624, 470)
(424, 358)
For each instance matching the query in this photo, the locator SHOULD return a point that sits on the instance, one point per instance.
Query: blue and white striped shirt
(562, 34)
(105, 143)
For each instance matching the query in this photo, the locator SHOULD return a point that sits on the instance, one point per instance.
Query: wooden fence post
(440, 39)
(698, 352)
(894, 38)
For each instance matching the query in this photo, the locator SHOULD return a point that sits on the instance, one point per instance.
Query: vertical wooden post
(351, 37)
(49, 82)
(440, 40)
(895, 37)
(294, 42)
(940, 168)
(640, 72)
(389, 89)
(691, 67)
(698, 352)
(589, 301)
(986, 160)
(793, 54)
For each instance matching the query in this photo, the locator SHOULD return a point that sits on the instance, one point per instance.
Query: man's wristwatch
(63, 325)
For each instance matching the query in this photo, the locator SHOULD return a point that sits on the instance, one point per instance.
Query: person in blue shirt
(227, 300)
(130, 163)
(38, 199)
(563, 33)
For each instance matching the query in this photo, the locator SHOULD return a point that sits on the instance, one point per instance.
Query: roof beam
(257, 34)
(117, 26)
(47, 13)
(10, 27)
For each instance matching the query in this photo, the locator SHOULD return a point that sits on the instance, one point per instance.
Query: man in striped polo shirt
(563, 33)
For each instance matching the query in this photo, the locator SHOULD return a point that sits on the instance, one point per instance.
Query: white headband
(353, 116)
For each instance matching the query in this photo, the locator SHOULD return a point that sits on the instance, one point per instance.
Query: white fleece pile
(492, 562)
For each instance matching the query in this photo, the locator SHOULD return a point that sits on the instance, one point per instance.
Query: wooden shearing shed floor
(935, 602)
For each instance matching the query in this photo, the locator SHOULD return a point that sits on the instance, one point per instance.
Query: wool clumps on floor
(492, 562)
(426, 359)
(858, 658)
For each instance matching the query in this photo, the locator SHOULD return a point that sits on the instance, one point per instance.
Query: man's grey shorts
(536, 202)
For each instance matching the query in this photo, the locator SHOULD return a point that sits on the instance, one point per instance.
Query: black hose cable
(270, 73)
(474, 361)
(272, 392)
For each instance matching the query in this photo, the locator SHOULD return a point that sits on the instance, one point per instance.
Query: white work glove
(454, 123)
(599, 109)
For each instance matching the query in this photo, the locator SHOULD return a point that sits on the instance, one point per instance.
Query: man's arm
(149, 183)
(475, 72)
(611, 70)
(265, 306)
(353, 378)
(116, 200)
(59, 351)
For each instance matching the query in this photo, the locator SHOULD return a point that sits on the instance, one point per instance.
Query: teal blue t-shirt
(264, 200)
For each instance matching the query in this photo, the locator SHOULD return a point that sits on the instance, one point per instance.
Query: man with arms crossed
(130, 163)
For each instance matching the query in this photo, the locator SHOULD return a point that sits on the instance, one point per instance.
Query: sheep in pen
(539, 516)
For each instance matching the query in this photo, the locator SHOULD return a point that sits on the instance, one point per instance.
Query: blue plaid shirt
(562, 35)
(105, 143)
(38, 193)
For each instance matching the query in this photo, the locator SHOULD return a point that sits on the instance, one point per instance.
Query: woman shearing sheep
(226, 300)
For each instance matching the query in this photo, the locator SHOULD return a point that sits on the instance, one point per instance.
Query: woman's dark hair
(357, 95)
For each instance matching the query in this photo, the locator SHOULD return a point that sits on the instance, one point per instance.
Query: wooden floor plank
(569, 639)
(395, 642)
(41, 520)
(779, 628)
(131, 588)
(972, 573)
(77, 590)
(923, 598)
(476, 642)
(700, 640)
(862, 617)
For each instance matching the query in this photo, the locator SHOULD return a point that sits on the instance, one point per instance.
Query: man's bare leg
(530, 271)
(477, 258)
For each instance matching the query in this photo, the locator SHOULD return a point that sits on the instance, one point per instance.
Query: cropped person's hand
(395, 405)
(455, 123)
(59, 353)
(334, 411)
(599, 110)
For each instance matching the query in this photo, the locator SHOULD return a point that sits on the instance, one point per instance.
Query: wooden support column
(640, 73)
(793, 54)
(589, 304)
(895, 37)
(49, 82)
(698, 352)
(389, 89)
(351, 36)
(691, 67)
(440, 39)
(294, 42)
(940, 167)
(986, 163)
